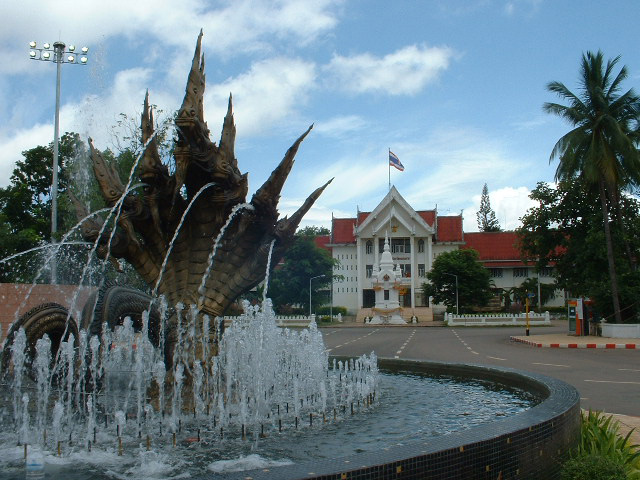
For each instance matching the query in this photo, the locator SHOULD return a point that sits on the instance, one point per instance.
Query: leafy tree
(289, 285)
(530, 288)
(313, 231)
(487, 221)
(566, 231)
(601, 147)
(474, 286)
(25, 204)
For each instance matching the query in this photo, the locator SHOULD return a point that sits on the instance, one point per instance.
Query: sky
(454, 88)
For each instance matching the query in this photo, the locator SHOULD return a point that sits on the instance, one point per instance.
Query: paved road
(607, 380)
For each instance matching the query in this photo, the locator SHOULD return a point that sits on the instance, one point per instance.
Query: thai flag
(394, 161)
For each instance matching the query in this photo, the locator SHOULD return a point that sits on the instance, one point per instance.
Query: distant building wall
(17, 299)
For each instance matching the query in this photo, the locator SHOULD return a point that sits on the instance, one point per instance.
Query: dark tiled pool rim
(529, 445)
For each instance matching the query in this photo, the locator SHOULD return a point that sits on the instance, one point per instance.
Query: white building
(416, 238)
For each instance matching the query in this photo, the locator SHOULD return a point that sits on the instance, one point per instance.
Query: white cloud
(270, 91)
(235, 27)
(404, 72)
(340, 126)
(453, 162)
(509, 205)
(17, 142)
(90, 116)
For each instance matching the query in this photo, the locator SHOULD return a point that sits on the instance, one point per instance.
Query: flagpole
(389, 167)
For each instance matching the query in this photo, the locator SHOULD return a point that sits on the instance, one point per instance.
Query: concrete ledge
(580, 342)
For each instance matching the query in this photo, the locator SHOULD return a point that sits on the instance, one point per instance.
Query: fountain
(147, 385)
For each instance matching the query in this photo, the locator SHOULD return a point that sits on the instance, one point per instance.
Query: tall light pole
(456, 277)
(312, 278)
(59, 55)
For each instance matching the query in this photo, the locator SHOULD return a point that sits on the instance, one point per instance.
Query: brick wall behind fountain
(13, 295)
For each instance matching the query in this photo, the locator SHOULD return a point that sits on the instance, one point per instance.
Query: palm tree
(601, 148)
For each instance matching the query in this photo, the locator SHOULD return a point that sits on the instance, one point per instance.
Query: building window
(397, 245)
(420, 246)
(369, 247)
(496, 272)
(521, 272)
(421, 270)
(546, 272)
(386, 294)
(369, 271)
(405, 268)
(400, 245)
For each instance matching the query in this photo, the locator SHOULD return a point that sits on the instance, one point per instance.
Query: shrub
(326, 310)
(592, 467)
(600, 438)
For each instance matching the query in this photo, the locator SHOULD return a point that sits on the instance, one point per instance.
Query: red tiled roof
(362, 216)
(499, 247)
(428, 216)
(449, 229)
(321, 241)
(342, 229)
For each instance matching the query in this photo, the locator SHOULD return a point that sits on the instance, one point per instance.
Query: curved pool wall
(529, 445)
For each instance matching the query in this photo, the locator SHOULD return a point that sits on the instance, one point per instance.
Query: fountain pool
(408, 406)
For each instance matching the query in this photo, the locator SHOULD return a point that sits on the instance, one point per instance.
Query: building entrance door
(368, 298)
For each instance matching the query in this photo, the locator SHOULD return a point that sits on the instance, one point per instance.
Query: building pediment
(393, 211)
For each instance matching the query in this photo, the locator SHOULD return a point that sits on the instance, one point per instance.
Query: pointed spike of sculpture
(192, 104)
(269, 193)
(290, 225)
(228, 137)
(151, 163)
(111, 187)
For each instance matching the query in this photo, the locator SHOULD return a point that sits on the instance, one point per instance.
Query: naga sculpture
(149, 219)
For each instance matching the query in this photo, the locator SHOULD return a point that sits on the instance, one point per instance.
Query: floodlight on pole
(60, 56)
(312, 278)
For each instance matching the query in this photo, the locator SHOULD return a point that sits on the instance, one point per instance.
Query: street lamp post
(312, 278)
(61, 54)
(456, 277)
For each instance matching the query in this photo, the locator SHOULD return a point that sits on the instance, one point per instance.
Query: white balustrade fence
(496, 319)
(289, 320)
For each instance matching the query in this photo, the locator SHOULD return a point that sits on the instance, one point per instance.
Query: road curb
(625, 346)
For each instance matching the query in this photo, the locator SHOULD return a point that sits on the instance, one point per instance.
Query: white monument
(386, 284)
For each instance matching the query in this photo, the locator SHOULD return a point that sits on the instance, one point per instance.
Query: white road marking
(497, 358)
(628, 370)
(612, 381)
(551, 365)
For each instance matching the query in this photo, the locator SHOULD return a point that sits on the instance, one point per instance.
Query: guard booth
(578, 322)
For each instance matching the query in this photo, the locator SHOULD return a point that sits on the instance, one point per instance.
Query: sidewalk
(626, 424)
(562, 340)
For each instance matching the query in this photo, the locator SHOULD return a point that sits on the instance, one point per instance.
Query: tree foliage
(313, 231)
(601, 147)
(25, 204)
(474, 286)
(529, 288)
(289, 285)
(487, 221)
(566, 231)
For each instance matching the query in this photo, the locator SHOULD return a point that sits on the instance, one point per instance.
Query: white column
(429, 253)
(376, 255)
(414, 270)
(359, 271)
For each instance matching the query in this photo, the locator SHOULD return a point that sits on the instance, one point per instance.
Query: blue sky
(454, 88)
